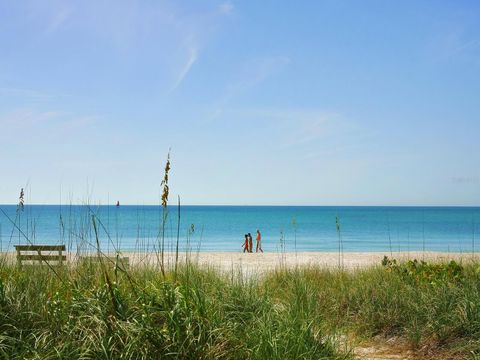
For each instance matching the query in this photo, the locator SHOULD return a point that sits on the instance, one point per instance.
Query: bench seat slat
(43, 257)
(40, 247)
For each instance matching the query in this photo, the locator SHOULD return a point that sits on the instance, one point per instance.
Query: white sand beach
(258, 263)
(261, 262)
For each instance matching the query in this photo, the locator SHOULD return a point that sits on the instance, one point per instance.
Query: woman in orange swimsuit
(250, 247)
(245, 244)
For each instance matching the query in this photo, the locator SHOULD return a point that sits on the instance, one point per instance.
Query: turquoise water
(222, 228)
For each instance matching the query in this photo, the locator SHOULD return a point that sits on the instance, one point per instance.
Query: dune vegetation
(103, 312)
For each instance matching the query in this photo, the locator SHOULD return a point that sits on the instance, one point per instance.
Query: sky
(325, 102)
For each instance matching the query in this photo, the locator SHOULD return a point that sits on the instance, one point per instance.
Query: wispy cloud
(301, 126)
(58, 19)
(253, 73)
(471, 45)
(193, 30)
(308, 132)
(26, 94)
(317, 133)
(456, 44)
(74, 123)
(312, 126)
(167, 34)
(257, 70)
(192, 58)
(226, 7)
(26, 118)
(34, 122)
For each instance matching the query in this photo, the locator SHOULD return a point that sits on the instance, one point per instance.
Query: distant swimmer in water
(245, 244)
(259, 241)
(118, 203)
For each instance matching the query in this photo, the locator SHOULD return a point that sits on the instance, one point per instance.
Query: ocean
(222, 228)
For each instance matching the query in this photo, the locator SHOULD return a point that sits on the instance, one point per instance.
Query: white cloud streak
(226, 8)
(25, 94)
(58, 20)
(192, 58)
(254, 72)
(23, 122)
(21, 119)
(456, 45)
(130, 28)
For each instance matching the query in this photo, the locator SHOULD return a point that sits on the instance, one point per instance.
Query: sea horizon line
(254, 205)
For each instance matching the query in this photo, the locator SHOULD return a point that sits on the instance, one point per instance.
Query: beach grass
(95, 312)
(201, 315)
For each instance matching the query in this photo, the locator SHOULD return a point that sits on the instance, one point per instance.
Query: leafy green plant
(421, 271)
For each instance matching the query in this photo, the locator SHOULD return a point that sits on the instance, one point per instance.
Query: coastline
(258, 263)
(263, 262)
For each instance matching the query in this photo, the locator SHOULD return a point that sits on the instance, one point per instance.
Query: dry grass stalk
(164, 199)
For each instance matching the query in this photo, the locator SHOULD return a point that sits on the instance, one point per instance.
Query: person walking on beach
(245, 244)
(250, 242)
(259, 241)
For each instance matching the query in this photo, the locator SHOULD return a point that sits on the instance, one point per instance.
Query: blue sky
(261, 102)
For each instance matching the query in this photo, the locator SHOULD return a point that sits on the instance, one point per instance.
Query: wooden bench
(36, 253)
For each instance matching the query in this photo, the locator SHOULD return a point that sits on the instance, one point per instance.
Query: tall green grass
(201, 315)
(97, 312)
(435, 308)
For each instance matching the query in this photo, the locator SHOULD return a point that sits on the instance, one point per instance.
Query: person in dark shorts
(259, 241)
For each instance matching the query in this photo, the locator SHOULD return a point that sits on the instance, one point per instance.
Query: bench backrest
(40, 254)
